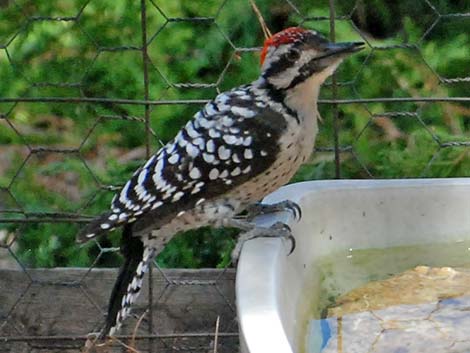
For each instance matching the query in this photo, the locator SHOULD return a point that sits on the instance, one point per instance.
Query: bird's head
(295, 54)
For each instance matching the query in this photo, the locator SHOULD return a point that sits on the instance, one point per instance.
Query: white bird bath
(337, 215)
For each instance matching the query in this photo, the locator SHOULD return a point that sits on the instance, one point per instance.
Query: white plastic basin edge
(262, 260)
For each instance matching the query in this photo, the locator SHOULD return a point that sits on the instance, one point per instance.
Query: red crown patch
(286, 36)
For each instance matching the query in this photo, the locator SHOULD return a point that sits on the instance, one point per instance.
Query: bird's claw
(260, 209)
(288, 233)
(277, 230)
(295, 209)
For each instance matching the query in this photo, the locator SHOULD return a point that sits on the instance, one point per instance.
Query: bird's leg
(251, 231)
(259, 208)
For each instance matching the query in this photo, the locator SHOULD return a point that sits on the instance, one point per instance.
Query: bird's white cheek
(283, 80)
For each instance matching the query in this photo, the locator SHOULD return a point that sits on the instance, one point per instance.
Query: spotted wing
(231, 140)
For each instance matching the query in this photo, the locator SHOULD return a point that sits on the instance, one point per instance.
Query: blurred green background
(90, 48)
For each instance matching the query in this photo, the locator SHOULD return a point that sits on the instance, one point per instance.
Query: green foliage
(79, 58)
(199, 248)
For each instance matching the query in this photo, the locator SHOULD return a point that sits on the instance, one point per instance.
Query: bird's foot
(259, 208)
(251, 231)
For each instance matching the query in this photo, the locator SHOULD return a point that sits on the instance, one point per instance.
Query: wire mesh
(69, 160)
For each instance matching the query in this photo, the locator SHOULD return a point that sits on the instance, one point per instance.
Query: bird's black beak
(331, 52)
(342, 49)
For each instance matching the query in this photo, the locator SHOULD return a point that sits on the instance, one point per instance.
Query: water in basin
(400, 300)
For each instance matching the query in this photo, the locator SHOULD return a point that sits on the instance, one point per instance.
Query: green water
(338, 273)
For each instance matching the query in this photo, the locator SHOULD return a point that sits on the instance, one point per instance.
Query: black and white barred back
(234, 138)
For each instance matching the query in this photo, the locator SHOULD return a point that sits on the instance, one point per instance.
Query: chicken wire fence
(67, 138)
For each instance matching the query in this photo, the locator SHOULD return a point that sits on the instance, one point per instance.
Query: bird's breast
(296, 146)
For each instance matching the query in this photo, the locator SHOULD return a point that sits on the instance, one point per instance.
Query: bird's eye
(293, 55)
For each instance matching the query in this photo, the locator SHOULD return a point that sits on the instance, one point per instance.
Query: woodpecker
(241, 146)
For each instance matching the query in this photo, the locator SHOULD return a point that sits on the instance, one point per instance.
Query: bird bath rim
(267, 291)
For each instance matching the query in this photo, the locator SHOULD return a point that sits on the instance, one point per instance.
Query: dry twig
(262, 22)
(134, 334)
(216, 334)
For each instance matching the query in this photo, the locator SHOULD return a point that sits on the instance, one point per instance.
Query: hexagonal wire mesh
(58, 127)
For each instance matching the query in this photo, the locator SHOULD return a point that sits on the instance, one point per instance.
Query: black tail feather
(128, 283)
